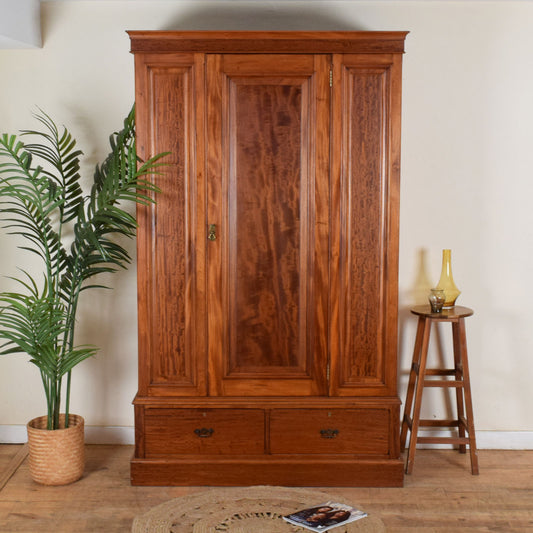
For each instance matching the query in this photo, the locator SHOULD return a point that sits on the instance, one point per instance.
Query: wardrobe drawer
(204, 431)
(353, 431)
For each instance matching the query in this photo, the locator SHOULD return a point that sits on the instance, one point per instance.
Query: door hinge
(330, 77)
(327, 371)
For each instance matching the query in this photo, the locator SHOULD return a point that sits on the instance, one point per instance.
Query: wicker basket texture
(56, 457)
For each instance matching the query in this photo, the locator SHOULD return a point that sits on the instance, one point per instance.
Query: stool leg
(447, 394)
(460, 332)
(412, 380)
(418, 394)
(459, 376)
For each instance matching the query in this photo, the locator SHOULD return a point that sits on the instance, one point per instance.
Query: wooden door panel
(262, 191)
(171, 341)
(363, 327)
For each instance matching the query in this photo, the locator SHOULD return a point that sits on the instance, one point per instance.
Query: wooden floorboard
(440, 496)
(6, 471)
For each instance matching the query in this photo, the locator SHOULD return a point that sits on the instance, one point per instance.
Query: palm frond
(40, 192)
(31, 322)
(118, 179)
(59, 151)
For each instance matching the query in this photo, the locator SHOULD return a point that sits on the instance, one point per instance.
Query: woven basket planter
(57, 457)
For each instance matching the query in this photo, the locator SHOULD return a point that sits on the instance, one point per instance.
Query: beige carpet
(243, 510)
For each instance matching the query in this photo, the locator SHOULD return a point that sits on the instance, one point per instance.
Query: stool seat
(445, 315)
(420, 377)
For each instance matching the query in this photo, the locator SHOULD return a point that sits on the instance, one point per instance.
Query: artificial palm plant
(42, 201)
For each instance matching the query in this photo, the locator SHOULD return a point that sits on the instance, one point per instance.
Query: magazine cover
(325, 516)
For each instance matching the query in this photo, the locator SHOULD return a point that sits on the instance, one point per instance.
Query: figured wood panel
(170, 258)
(268, 267)
(265, 202)
(365, 231)
(171, 108)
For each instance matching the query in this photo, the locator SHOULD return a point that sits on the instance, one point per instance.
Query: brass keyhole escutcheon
(212, 234)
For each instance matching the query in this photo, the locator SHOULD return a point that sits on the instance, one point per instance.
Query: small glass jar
(436, 300)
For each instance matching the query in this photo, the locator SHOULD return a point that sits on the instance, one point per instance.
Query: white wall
(466, 176)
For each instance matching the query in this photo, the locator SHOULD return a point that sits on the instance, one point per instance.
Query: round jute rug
(242, 510)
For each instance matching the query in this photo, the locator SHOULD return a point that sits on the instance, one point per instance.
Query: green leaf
(42, 202)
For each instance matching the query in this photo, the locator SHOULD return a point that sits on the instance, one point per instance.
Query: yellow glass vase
(446, 283)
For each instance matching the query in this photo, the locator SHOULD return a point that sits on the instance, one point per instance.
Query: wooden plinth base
(318, 471)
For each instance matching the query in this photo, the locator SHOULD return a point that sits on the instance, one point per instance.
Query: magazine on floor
(325, 516)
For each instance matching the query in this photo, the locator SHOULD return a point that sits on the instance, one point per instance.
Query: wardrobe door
(171, 244)
(268, 165)
(364, 231)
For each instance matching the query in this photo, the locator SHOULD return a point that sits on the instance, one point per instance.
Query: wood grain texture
(276, 429)
(366, 93)
(364, 230)
(263, 328)
(324, 42)
(440, 496)
(420, 377)
(272, 402)
(170, 294)
(13, 465)
(340, 470)
(171, 108)
(292, 306)
(268, 264)
(204, 431)
(330, 431)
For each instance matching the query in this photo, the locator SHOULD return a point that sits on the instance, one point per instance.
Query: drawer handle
(329, 433)
(204, 433)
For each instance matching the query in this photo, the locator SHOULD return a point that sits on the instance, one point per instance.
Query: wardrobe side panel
(365, 227)
(171, 234)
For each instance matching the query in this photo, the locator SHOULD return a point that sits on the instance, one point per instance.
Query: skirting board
(93, 434)
(486, 440)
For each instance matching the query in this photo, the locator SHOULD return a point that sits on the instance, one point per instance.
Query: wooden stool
(461, 383)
